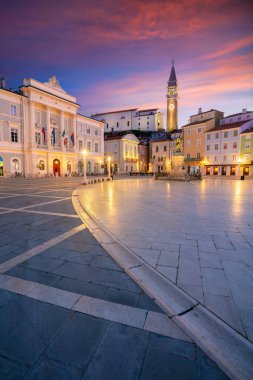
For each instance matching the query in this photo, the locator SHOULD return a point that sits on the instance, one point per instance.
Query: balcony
(40, 146)
(192, 159)
(131, 159)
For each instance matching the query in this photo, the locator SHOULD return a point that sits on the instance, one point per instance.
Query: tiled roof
(249, 130)
(237, 114)
(227, 126)
(205, 112)
(105, 113)
(197, 122)
(150, 109)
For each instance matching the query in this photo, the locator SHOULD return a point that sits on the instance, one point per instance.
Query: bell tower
(172, 99)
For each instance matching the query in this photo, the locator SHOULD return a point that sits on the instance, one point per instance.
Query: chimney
(200, 110)
(244, 110)
(2, 83)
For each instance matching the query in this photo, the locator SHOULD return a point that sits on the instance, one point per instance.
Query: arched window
(69, 166)
(41, 165)
(15, 165)
(96, 167)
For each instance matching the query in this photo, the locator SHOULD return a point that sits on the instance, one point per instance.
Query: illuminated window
(247, 145)
(15, 165)
(88, 146)
(41, 165)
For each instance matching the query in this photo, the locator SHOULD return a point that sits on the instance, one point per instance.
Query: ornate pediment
(53, 82)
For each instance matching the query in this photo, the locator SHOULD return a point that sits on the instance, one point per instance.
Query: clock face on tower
(171, 106)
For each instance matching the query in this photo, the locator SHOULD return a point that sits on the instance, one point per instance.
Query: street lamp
(84, 166)
(109, 166)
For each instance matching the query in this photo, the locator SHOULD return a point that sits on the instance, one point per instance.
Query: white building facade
(131, 119)
(123, 152)
(41, 134)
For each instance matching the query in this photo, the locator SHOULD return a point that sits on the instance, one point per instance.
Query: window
(156, 148)
(13, 110)
(208, 147)
(88, 130)
(117, 125)
(239, 118)
(235, 133)
(247, 145)
(164, 148)
(248, 116)
(147, 122)
(80, 144)
(14, 135)
(139, 123)
(41, 165)
(198, 142)
(224, 158)
(234, 157)
(188, 142)
(96, 147)
(128, 123)
(216, 146)
(37, 138)
(217, 135)
(88, 146)
(225, 134)
(208, 136)
(234, 145)
(188, 132)
(96, 131)
(225, 146)
(199, 130)
(215, 158)
(15, 165)
(198, 155)
(37, 119)
(188, 155)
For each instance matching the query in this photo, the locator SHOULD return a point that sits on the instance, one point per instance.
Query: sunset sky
(117, 54)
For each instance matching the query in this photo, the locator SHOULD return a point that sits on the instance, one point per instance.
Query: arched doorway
(80, 167)
(1, 167)
(69, 167)
(56, 168)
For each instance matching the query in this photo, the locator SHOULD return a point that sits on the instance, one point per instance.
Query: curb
(225, 346)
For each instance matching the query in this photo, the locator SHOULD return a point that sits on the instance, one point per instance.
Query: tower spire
(172, 99)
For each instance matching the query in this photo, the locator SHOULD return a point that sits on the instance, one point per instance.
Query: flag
(63, 133)
(72, 138)
(53, 134)
(43, 131)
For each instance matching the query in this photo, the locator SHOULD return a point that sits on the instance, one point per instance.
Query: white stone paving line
(7, 265)
(37, 212)
(143, 319)
(10, 195)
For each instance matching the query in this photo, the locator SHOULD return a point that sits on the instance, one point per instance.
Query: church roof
(173, 79)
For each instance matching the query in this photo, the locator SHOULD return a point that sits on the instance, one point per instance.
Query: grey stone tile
(83, 333)
(210, 260)
(207, 369)
(224, 307)
(5, 297)
(247, 320)
(10, 370)
(33, 275)
(24, 345)
(168, 272)
(127, 350)
(166, 357)
(196, 291)
(42, 263)
(168, 259)
(215, 282)
(223, 243)
(105, 262)
(78, 271)
(121, 296)
(50, 369)
(145, 302)
(53, 253)
(115, 279)
(206, 246)
(189, 272)
(78, 257)
(189, 252)
(81, 287)
(12, 316)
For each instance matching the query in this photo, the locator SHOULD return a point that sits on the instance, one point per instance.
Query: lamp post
(109, 166)
(84, 166)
